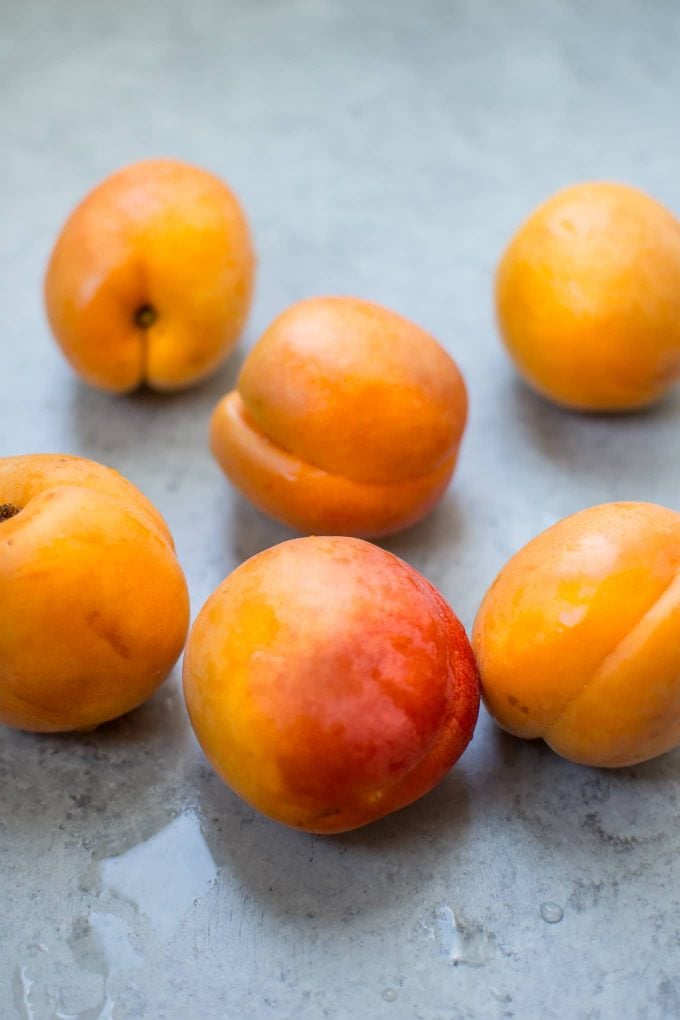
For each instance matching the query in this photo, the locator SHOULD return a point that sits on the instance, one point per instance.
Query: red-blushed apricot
(577, 638)
(94, 609)
(329, 683)
(346, 419)
(151, 278)
(588, 298)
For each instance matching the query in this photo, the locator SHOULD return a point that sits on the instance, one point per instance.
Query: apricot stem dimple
(8, 510)
(145, 316)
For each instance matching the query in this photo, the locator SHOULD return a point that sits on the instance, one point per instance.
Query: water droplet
(22, 994)
(449, 935)
(101, 1012)
(34, 948)
(390, 994)
(552, 913)
(461, 940)
(176, 858)
(107, 1011)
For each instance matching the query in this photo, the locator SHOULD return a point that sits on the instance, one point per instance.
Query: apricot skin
(346, 419)
(329, 683)
(577, 638)
(588, 298)
(94, 608)
(159, 239)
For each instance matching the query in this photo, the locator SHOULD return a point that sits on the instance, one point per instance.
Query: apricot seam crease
(597, 675)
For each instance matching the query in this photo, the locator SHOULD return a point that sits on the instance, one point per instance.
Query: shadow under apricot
(250, 532)
(329, 878)
(105, 425)
(576, 811)
(434, 536)
(114, 785)
(592, 444)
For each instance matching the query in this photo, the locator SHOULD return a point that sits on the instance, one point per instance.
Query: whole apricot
(346, 419)
(151, 278)
(588, 298)
(329, 683)
(577, 638)
(93, 603)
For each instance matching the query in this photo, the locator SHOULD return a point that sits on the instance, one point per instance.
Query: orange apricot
(346, 419)
(151, 278)
(94, 608)
(588, 298)
(577, 638)
(329, 683)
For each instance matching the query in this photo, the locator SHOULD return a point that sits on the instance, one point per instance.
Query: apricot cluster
(328, 682)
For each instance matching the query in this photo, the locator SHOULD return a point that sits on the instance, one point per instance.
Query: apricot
(346, 419)
(93, 603)
(151, 278)
(329, 683)
(577, 638)
(588, 298)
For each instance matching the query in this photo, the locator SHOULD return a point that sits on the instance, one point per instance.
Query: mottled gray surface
(384, 149)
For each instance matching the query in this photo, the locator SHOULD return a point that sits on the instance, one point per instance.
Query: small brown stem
(145, 316)
(8, 510)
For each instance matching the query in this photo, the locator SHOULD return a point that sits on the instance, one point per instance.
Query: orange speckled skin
(588, 298)
(347, 419)
(94, 608)
(162, 234)
(577, 638)
(329, 683)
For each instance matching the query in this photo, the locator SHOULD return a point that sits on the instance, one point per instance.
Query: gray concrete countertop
(386, 149)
